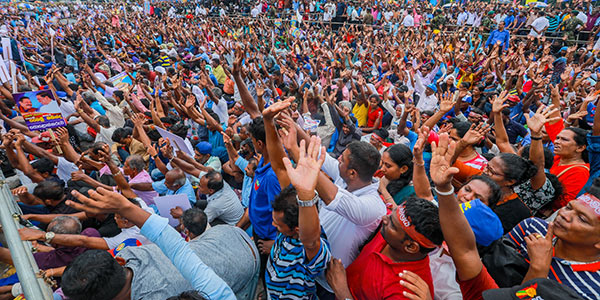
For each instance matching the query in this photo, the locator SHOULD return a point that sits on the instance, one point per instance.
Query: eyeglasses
(492, 172)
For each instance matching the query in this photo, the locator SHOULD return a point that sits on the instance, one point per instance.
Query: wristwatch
(308, 203)
(49, 236)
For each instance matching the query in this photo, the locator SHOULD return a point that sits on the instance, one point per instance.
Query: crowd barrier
(33, 285)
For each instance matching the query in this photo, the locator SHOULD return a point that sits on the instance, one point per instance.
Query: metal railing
(33, 286)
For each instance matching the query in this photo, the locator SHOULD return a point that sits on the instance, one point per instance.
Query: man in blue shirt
(175, 183)
(499, 36)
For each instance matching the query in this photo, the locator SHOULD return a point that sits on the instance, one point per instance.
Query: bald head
(175, 179)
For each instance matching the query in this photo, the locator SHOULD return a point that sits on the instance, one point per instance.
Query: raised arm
(274, 147)
(247, 98)
(501, 137)
(457, 232)
(536, 150)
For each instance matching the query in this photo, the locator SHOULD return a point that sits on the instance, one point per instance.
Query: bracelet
(448, 193)
(418, 164)
(536, 138)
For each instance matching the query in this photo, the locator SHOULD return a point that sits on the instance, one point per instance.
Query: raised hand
(498, 104)
(576, 116)
(442, 151)
(476, 133)
(288, 132)
(62, 134)
(138, 119)
(304, 176)
(420, 144)
(446, 102)
(100, 201)
(190, 100)
(541, 117)
(540, 250)
(270, 112)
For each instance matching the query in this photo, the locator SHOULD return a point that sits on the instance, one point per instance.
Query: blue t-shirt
(97, 107)
(247, 183)
(265, 187)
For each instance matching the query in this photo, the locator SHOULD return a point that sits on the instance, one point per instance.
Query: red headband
(591, 202)
(409, 228)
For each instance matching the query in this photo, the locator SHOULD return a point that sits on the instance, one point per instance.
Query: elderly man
(175, 183)
(223, 205)
(134, 168)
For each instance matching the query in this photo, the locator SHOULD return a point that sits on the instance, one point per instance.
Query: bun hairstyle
(517, 168)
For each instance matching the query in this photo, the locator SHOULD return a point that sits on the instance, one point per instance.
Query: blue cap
(467, 99)
(484, 222)
(433, 87)
(563, 49)
(204, 147)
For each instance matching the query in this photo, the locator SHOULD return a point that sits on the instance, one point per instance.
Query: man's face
(250, 169)
(280, 224)
(203, 186)
(25, 104)
(170, 183)
(392, 231)
(577, 224)
(127, 170)
(199, 157)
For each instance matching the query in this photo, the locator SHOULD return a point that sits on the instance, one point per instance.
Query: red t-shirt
(473, 288)
(572, 180)
(374, 276)
(372, 116)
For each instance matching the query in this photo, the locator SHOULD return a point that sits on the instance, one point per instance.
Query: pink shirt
(147, 196)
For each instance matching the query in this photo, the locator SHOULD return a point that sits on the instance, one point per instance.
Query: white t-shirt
(221, 110)
(64, 168)
(408, 21)
(105, 135)
(539, 24)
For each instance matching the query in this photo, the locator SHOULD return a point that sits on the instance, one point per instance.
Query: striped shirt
(290, 275)
(584, 278)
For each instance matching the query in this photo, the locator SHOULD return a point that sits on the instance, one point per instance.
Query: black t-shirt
(511, 213)
(107, 228)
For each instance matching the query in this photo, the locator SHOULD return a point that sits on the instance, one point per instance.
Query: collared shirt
(187, 189)
(373, 275)
(62, 256)
(147, 196)
(265, 187)
(351, 217)
(583, 278)
(290, 275)
(202, 278)
(498, 36)
(224, 205)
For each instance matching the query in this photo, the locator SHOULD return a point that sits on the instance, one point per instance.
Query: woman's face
(565, 144)
(390, 169)
(495, 170)
(474, 189)
(373, 102)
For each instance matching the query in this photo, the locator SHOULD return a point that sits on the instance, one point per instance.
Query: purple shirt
(62, 255)
(147, 196)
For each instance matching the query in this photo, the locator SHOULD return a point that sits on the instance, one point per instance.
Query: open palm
(541, 117)
(304, 176)
(442, 151)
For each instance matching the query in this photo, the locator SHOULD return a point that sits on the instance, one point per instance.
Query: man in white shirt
(408, 21)
(539, 25)
(462, 18)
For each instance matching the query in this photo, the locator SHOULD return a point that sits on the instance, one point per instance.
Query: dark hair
(103, 121)
(495, 191)
(119, 94)
(179, 129)
(121, 133)
(195, 220)
(93, 275)
(424, 215)
(49, 189)
(97, 146)
(580, 138)
(286, 202)
(382, 133)
(364, 158)
(43, 165)
(189, 295)
(461, 128)
(215, 180)
(257, 129)
(548, 156)
(594, 189)
(401, 156)
(517, 168)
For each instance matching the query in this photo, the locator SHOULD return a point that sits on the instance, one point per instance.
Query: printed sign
(39, 109)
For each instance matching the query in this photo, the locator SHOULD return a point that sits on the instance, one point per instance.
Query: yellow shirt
(220, 74)
(360, 113)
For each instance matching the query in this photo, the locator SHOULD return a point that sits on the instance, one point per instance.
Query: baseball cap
(44, 137)
(514, 98)
(483, 221)
(432, 87)
(539, 289)
(204, 147)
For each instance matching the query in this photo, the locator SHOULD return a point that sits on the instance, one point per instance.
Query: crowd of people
(327, 149)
